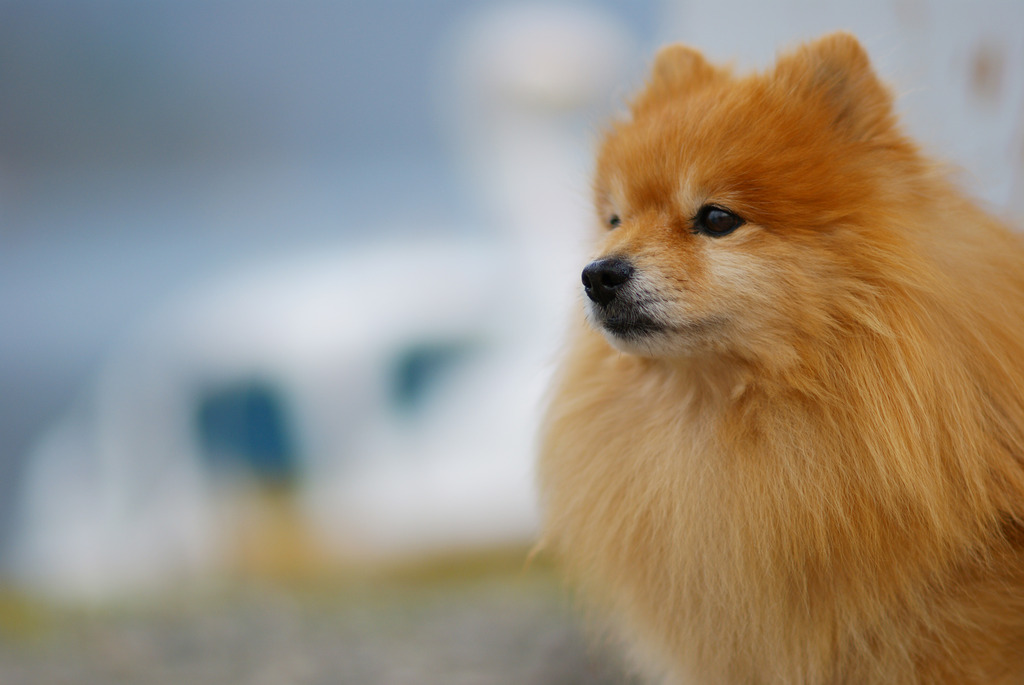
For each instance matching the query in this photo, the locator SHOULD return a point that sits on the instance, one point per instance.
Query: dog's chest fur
(728, 549)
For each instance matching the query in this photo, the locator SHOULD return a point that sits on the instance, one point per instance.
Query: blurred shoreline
(476, 619)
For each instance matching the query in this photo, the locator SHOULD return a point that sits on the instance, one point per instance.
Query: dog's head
(734, 210)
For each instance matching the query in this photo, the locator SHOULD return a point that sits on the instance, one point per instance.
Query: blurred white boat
(395, 387)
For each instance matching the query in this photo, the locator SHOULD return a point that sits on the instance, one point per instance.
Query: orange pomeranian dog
(788, 447)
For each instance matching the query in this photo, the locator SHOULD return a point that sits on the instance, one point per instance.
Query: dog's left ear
(678, 69)
(835, 72)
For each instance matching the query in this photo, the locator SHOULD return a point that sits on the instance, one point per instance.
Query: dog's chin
(640, 334)
(632, 332)
(650, 345)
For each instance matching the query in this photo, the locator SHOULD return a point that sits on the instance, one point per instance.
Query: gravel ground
(489, 629)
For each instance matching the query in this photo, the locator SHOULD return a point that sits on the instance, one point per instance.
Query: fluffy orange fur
(812, 469)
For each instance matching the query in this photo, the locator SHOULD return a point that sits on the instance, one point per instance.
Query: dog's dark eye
(614, 221)
(715, 221)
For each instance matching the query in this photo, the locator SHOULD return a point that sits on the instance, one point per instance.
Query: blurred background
(281, 285)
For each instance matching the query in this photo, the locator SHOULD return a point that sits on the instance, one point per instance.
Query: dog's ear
(835, 72)
(677, 69)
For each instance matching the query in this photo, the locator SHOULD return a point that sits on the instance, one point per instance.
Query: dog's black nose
(605, 276)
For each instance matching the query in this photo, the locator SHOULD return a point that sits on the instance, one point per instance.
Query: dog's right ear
(835, 73)
(677, 69)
